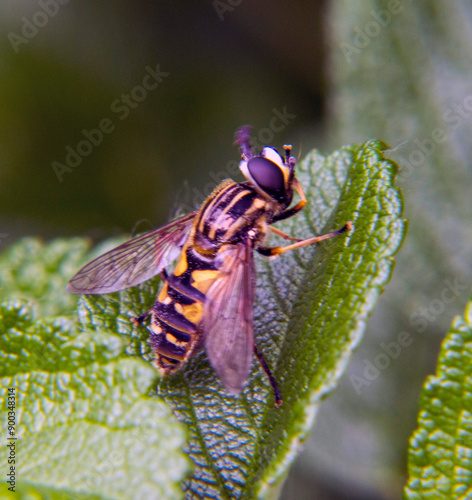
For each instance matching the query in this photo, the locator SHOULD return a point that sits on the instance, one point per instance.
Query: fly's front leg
(273, 251)
(299, 206)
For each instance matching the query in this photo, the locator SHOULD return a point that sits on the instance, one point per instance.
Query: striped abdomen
(177, 313)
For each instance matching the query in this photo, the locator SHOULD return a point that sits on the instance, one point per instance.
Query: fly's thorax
(235, 212)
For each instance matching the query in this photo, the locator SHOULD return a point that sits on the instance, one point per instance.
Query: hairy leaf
(83, 423)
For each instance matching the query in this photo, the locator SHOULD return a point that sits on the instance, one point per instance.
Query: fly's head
(269, 172)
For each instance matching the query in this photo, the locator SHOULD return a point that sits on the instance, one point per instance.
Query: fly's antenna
(288, 150)
(242, 137)
(289, 160)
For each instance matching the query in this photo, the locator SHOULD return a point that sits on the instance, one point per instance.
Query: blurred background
(114, 118)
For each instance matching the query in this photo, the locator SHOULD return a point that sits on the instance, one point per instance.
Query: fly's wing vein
(135, 261)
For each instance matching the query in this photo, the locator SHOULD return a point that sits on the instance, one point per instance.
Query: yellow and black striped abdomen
(178, 311)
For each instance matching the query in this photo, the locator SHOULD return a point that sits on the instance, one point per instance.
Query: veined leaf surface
(310, 311)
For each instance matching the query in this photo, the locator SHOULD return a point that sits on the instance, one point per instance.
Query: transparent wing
(135, 261)
(228, 317)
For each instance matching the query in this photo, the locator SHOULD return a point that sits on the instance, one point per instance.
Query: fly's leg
(273, 251)
(283, 235)
(265, 367)
(299, 206)
(139, 320)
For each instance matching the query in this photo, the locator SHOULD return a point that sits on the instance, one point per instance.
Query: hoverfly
(208, 298)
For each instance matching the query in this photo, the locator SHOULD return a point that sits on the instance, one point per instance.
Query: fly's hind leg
(139, 320)
(273, 383)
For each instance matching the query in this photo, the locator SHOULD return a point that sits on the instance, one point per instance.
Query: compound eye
(268, 176)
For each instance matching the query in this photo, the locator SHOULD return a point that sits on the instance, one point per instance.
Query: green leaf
(36, 272)
(310, 311)
(440, 455)
(83, 425)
